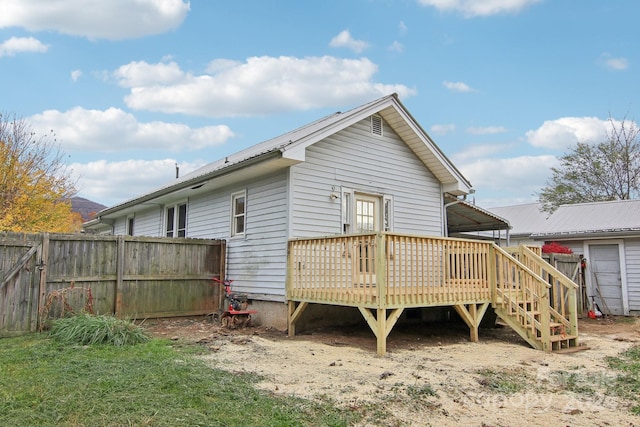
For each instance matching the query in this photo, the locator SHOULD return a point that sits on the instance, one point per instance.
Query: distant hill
(86, 208)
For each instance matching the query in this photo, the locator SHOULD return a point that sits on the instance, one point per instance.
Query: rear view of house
(369, 169)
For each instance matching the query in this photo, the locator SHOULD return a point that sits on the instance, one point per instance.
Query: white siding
(120, 226)
(257, 261)
(356, 159)
(148, 223)
(632, 256)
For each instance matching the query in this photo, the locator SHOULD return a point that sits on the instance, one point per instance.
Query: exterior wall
(356, 159)
(256, 261)
(148, 223)
(120, 226)
(632, 256)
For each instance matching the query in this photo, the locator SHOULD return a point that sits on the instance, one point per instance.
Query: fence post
(42, 285)
(117, 306)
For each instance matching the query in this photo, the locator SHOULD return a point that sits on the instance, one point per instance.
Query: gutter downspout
(446, 225)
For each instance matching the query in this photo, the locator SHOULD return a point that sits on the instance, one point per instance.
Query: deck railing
(386, 270)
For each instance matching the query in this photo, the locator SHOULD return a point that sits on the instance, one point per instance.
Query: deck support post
(381, 325)
(295, 311)
(472, 316)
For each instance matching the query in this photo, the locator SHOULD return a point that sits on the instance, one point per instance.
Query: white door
(606, 278)
(368, 219)
(367, 213)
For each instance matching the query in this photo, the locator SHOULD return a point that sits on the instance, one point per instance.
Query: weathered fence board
(134, 277)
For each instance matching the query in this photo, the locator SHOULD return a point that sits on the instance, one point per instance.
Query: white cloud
(75, 75)
(402, 28)
(509, 179)
(95, 19)
(114, 130)
(457, 87)
(442, 129)
(488, 130)
(21, 45)
(141, 73)
(261, 85)
(344, 39)
(479, 151)
(567, 131)
(473, 8)
(613, 63)
(114, 182)
(396, 46)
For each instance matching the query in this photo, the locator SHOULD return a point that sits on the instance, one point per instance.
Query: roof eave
(195, 181)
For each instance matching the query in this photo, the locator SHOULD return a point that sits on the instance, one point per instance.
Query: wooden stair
(541, 308)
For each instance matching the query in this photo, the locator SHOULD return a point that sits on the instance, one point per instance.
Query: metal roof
(596, 219)
(593, 219)
(289, 148)
(525, 219)
(463, 216)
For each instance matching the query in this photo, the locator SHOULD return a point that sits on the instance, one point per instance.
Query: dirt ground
(432, 374)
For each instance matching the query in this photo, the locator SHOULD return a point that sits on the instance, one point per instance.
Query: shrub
(86, 329)
(555, 248)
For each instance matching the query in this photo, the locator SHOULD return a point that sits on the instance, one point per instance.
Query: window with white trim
(387, 213)
(176, 220)
(238, 213)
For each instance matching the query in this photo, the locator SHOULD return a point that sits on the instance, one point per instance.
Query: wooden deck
(384, 273)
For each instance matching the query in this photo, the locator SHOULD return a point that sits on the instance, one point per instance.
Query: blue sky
(132, 87)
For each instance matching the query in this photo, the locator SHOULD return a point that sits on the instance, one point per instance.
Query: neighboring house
(606, 233)
(370, 169)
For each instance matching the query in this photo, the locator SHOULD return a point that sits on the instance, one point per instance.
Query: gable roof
(597, 219)
(289, 148)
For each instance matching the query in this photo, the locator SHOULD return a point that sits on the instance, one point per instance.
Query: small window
(347, 195)
(176, 221)
(238, 213)
(376, 125)
(171, 213)
(130, 222)
(387, 213)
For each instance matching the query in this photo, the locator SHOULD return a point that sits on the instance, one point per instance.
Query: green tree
(608, 170)
(35, 184)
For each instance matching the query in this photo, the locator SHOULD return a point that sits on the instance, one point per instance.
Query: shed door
(606, 277)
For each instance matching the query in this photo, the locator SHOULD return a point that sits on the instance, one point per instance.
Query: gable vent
(376, 125)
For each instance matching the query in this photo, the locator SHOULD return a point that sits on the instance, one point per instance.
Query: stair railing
(523, 295)
(563, 291)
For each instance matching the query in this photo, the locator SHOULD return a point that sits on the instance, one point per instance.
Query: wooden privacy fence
(134, 277)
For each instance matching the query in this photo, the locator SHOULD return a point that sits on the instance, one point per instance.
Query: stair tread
(555, 338)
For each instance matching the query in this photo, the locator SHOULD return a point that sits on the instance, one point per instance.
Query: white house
(372, 168)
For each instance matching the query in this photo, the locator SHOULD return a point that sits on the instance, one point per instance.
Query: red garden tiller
(235, 313)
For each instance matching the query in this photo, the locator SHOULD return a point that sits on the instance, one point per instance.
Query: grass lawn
(44, 382)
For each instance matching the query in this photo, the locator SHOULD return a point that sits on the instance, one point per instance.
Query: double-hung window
(176, 220)
(238, 213)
